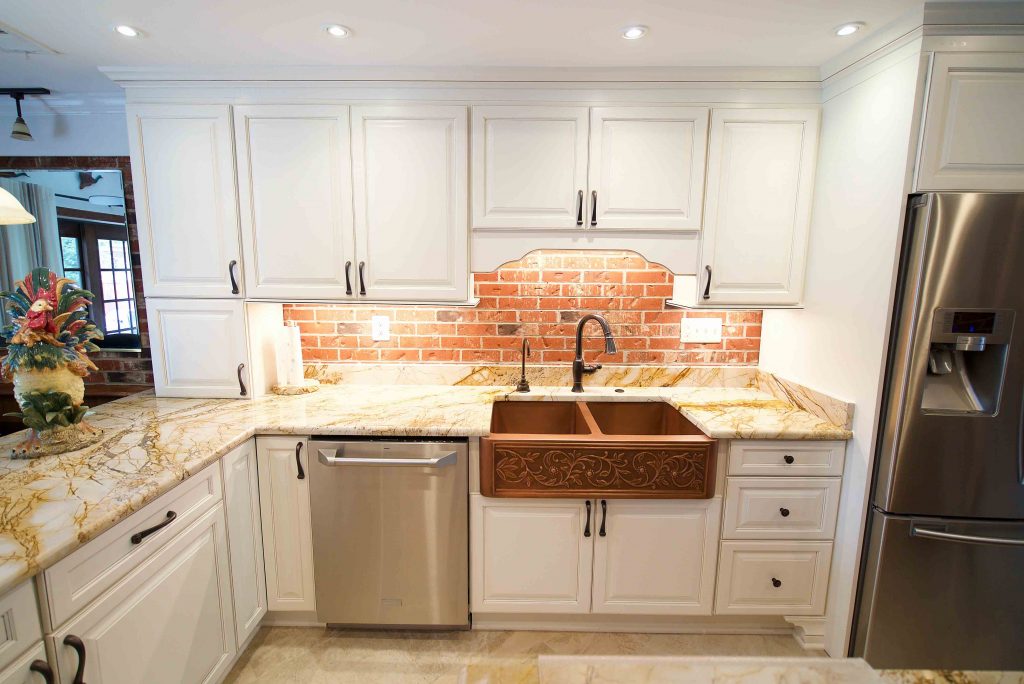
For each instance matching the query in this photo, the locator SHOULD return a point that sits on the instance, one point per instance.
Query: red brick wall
(541, 296)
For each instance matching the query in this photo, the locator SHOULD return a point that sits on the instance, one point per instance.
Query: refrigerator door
(942, 594)
(951, 431)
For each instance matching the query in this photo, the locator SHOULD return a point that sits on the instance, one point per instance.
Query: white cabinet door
(529, 167)
(758, 206)
(530, 556)
(409, 178)
(168, 621)
(647, 167)
(773, 578)
(287, 531)
(656, 557)
(184, 179)
(295, 193)
(245, 539)
(199, 347)
(972, 136)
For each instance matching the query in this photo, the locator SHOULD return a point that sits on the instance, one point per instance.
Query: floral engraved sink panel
(666, 459)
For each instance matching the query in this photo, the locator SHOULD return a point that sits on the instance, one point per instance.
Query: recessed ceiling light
(127, 31)
(634, 32)
(338, 31)
(849, 29)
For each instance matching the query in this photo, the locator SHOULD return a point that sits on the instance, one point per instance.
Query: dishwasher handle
(327, 457)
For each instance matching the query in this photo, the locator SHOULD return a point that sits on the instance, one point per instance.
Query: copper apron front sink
(584, 450)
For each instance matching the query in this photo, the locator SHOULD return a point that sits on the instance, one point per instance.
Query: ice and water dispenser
(967, 361)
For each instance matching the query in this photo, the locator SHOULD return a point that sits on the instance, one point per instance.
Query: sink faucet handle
(591, 369)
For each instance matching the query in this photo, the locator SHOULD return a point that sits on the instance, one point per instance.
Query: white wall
(65, 134)
(836, 344)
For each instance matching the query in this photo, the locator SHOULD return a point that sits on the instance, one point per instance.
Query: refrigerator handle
(928, 533)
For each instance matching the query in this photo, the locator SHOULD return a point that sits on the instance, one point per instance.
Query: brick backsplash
(540, 296)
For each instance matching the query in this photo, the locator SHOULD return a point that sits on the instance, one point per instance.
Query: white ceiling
(467, 33)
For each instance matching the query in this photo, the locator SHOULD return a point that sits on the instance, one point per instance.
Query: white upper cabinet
(972, 131)
(758, 206)
(647, 167)
(409, 179)
(183, 173)
(529, 167)
(295, 193)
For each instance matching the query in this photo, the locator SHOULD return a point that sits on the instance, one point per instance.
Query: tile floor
(317, 656)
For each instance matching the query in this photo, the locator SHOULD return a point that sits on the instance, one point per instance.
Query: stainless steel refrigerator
(942, 585)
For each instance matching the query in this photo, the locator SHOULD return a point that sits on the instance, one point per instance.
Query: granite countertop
(52, 505)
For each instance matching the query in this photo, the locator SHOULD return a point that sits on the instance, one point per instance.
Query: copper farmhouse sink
(606, 449)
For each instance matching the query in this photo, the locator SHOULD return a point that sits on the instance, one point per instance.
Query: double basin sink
(585, 449)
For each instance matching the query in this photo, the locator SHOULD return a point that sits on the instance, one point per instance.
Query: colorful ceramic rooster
(47, 355)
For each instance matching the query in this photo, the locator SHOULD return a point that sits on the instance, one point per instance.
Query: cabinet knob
(776, 582)
(784, 512)
(788, 459)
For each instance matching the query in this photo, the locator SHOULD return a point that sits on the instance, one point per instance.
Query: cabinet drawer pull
(362, 279)
(593, 209)
(788, 459)
(784, 512)
(348, 278)
(241, 385)
(79, 646)
(586, 528)
(604, 517)
(776, 582)
(579, 209)
(44, 669)
(139, 536)
(707, 285)
(298, 461)
(231, 274)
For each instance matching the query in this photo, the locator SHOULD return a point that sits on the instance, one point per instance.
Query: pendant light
(11, 211)
(19, 131)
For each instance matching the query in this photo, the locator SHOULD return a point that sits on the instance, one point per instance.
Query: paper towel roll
(295, 374)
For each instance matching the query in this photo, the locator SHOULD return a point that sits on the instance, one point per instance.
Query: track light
(19, 131)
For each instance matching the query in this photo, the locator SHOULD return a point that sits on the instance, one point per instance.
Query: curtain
(28, 246)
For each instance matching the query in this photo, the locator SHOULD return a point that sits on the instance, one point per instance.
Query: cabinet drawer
(20, 627)
(81, 577)
(770, 508)
(773, 578)
(20, 673)
(786, 458)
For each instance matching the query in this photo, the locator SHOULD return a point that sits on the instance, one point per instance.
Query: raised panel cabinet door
(168, 622)
(529, 167)
(409, 178)
(295, 194)
(183, 174)
(647, 168)
(199, 348)
(972, 138)
(245, 539)
(758, 206)
(530, 556)
(656, 557)
(287, 529)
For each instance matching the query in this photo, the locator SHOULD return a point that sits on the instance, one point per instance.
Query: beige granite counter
(52, 505)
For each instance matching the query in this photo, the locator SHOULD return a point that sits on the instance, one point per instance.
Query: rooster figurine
(47, 356)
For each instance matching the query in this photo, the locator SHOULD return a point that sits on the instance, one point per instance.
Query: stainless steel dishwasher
(390, 532)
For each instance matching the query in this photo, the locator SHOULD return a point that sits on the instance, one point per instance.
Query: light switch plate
(380, 328)
(700, 330)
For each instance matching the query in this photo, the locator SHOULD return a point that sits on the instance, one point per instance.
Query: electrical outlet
(700, 330)
(380, 328)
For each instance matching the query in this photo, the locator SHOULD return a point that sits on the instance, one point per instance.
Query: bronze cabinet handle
(348, 278)
(362, 278)
(784, 512)
(593, 209)
(139, 536)
(604, 518)
(579, 209)
(231, 274)
(79, 646)
(298, 461)
(776, 582)
(241, 385)
(788, 459)
(44, 669)
(707, 286)
(586, 528)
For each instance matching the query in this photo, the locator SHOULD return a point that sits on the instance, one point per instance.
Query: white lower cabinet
(21, 671)
(570, 556)
(530, 556)
(245, 538)
(656, 557)
(773, 578)
(287, 530)
(169, 620)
